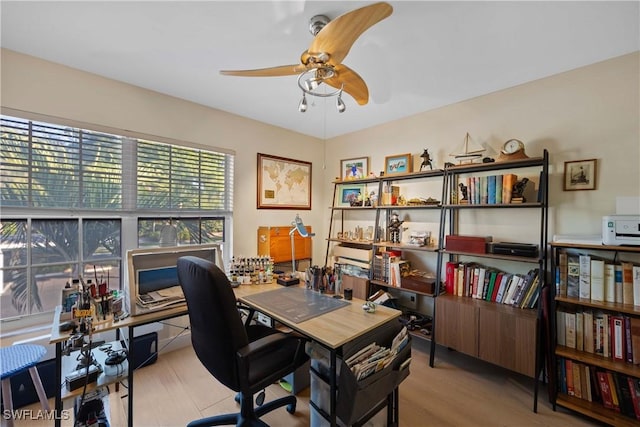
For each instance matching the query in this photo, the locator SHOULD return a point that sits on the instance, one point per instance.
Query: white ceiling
(424, 56)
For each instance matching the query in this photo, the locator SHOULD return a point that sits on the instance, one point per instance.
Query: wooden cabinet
(457, 325)
(275, 241)
(491, 332)
(582, 353)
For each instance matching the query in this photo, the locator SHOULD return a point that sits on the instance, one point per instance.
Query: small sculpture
(426, 159)
(463, 191)
(518, 189)
(394, 228)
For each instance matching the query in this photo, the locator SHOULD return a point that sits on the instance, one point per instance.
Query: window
(68, 196)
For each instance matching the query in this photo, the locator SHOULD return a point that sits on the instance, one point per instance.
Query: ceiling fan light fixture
(302, 107)
(340, 105)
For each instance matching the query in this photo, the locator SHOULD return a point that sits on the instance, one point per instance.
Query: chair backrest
(217, 331)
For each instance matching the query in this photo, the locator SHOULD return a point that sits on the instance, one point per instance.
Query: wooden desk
(332, 330)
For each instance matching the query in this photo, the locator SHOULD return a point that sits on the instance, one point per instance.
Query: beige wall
(588, 113)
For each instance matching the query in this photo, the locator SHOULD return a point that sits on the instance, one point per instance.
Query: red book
(634, 388)
(569, 368)
(494, 294)
(605, 390)
(450, 272)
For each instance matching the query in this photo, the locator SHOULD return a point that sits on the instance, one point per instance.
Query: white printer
(620, 230)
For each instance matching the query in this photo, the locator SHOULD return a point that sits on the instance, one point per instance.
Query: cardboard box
(471, 244)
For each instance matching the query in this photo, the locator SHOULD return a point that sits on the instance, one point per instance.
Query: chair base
(247, 418)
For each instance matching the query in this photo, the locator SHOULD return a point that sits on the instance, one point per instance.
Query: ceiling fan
(322, 62)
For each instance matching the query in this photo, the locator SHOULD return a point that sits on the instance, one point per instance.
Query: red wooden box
(423, 284)
(473, 244)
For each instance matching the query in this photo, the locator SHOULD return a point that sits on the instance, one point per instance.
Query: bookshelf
(415, 198)
(590, 353)
(489, 326)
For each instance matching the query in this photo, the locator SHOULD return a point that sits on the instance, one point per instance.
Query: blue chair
(14, 360)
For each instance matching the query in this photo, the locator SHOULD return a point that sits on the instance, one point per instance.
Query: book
(587, 328)
(498, 189)
(504, 283)
(570, 329)
(585, 276)
(634, 389)
(627, 283)
(617, 337)
(569, 375)
(480, 287)
(636, 284)
(573, 276)
(635, 339)
(562, 282)
(609, 282)
(508, 180)
(597, 279)
(449, 277)
(618, 283)
(605, 390)
(491, 189)
(625, 400)
(561, 330)
(496, 287)
(577, 379)
(492, 283)
(628, 351)
(516, 280)
(579, 331)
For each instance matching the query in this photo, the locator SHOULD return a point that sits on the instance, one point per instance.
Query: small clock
(513, 149)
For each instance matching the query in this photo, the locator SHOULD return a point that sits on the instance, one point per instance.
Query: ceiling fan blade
(337, 37)
(354, 85)
(283, 70)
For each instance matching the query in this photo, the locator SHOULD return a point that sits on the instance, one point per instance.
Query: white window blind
(51, 166)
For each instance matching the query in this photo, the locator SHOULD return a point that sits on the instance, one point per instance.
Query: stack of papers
(161, 298)
(374, 358)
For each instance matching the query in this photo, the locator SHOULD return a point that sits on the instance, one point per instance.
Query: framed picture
(580, 175)
(400, 163)
(354, 168)
(351, 193)
(283, 183)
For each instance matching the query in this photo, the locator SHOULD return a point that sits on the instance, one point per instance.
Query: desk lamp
(296, 225)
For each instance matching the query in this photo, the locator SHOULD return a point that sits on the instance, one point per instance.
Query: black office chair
(245, 358)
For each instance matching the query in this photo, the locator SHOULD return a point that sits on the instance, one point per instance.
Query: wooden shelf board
(595, 247)
(406, 247)
(598, 360)
(535, 260)
(533, 312)
(611, 306)
(387, 285)
(496, 205)
(595, 410)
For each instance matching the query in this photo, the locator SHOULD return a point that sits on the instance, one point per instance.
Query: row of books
(389, 267)
(611, 335)
(613, 390)
(469, 279)
(373, 357)
(588, 277)
(492, 189)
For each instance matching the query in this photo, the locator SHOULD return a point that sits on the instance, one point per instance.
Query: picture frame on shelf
(273, 192)
(398, 164)
(580, 175)
(357, 168)
(349, 193)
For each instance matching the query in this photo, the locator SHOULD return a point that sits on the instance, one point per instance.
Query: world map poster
(283, 183)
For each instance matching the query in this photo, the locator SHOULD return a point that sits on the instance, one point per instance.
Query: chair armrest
(262, 344)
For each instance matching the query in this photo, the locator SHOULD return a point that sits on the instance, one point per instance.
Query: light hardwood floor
(459, 391)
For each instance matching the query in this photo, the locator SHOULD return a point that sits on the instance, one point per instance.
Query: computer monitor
(153, 273)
